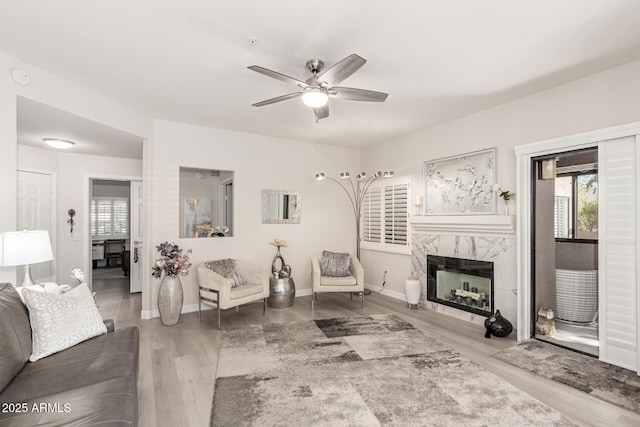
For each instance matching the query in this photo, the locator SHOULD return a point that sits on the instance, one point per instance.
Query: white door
(136, 267)
(34, 213)
(618, 253)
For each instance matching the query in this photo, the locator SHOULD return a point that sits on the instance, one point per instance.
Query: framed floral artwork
(460, 185)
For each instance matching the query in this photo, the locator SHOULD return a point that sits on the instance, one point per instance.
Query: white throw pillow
(62, 321)
(35, 288)
(48, 287)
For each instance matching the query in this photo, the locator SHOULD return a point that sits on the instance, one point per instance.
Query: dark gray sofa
(91, 383)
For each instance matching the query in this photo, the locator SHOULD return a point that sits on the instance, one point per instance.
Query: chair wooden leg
(362, 299)
(314, 296)
(218, 315)
(264, 306)
(351, 294)
(199, 307)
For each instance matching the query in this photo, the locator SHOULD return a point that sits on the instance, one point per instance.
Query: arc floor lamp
(356, 190)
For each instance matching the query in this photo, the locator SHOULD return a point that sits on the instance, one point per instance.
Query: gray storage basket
(577, 295)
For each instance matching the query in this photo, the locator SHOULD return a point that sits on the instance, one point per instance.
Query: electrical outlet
(386, 270)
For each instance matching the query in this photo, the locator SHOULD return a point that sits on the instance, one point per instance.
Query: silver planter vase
(170, 300)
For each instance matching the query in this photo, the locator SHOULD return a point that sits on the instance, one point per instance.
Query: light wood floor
(178, 363)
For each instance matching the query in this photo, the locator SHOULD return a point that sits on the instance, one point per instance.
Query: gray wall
(577, 256)
(545, 245)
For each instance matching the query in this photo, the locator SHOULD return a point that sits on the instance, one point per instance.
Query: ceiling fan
(321, 86)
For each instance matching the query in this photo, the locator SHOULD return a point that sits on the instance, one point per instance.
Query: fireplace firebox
(461, 283)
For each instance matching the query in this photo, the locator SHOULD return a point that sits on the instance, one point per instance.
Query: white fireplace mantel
(468, 225)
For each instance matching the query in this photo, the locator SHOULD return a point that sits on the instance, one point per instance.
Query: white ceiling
(438, 60)
(37, 121)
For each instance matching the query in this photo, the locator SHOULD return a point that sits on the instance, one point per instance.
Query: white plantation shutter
(385, 216)
(103, 217)
(109, 217)
(395, 214)
(120, 217)
(618, 253)
(371, 216)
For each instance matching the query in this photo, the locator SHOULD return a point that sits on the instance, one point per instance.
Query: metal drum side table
(282, 291)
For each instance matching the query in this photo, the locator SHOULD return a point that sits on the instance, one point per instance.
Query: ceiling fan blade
(322, 112)
(343, 69)
(277, 76)
(354, 94)
(277, 99)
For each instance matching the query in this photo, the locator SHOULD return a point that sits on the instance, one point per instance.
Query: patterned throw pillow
(333, 264)
(227, 268)
(62, 321)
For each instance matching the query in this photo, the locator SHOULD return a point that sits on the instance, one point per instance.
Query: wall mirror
(206, 203)
(280, 207)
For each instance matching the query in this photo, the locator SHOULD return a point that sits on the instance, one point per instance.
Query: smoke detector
(20, 77)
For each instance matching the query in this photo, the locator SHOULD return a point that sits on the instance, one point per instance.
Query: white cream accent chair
(323, 284)
(215, 290)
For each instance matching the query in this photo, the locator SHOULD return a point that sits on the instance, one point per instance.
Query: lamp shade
(25, 247)
(314, 97)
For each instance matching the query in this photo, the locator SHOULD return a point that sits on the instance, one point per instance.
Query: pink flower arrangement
(172, 261)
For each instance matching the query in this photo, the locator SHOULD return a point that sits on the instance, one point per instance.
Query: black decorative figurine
(497, 325)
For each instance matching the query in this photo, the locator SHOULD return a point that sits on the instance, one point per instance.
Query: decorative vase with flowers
(173, 262)
(282, 288)
(79, 275)
(505, 195)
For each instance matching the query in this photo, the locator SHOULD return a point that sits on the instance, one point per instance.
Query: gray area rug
(601, 380)
(360, 371)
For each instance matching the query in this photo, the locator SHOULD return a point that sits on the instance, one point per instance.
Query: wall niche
(206, 203)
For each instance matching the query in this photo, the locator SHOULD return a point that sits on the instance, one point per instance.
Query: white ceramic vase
(412, 291)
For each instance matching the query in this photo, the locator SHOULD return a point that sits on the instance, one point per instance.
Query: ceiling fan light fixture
(315, 97)
(60, 144)
(345, 175)
(320, 176)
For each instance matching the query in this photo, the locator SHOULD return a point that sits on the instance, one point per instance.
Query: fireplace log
(474, 295)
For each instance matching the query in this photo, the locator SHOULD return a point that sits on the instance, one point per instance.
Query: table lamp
(25, 247)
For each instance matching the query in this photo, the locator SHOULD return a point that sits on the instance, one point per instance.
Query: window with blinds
(396, 211)
(561, 217)
(109, 217)
(384, 218)
(371, 212)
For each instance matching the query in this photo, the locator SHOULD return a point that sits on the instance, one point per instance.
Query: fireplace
(461, 283)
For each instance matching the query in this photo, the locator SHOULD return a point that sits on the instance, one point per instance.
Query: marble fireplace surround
(479, 237)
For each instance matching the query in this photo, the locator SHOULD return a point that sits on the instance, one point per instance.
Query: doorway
(565, 250)
(115, 231)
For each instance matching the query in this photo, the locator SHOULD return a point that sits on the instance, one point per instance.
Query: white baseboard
(303, 292)
(189, 308)
(387, 292)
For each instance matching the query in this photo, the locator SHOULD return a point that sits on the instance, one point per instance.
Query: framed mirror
(206, 203)
(280, 207)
